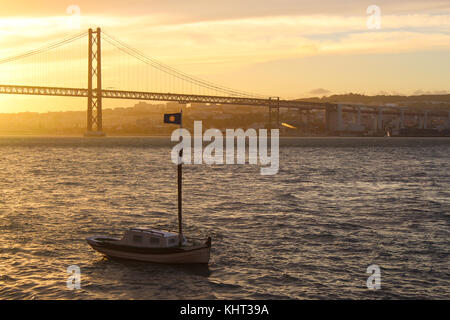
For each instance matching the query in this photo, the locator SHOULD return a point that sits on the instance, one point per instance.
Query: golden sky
(281, 48)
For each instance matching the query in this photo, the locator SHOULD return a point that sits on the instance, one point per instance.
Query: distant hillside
(142, 118)
(418, 101)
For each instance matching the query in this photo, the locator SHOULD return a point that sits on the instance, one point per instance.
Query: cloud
(208, 47)
(244, 40)
(320, 92)
(206, 10)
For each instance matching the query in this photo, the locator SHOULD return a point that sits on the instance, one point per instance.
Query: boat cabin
(144, 237)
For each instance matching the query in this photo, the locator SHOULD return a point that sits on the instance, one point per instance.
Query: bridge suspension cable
(46, 48)
(59, 63)
(170, 71)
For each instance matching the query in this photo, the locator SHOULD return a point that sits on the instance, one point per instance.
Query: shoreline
(168, 136)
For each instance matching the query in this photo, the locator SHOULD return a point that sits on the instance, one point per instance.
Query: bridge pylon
(274, 103)
(94, 106)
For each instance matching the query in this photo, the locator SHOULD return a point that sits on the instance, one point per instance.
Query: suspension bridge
(59, 69)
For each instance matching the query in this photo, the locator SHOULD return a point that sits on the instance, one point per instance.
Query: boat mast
(180, 180)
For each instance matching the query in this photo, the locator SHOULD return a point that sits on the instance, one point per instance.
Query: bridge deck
(191, 98)
(157, 96)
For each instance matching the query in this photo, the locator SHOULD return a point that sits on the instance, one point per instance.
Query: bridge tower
(274, 103)
(94, 106)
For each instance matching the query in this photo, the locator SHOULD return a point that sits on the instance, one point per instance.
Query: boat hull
(184, 255)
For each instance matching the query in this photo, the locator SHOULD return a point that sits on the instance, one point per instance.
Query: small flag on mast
(172, 118)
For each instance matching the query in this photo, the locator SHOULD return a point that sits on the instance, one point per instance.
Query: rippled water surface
(337, 206)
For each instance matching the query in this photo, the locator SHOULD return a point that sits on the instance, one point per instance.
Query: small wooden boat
(158, 246)
(152, 245)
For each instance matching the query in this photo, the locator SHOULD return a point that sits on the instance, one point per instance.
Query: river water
(337, 206)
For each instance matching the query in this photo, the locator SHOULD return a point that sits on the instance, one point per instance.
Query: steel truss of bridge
(158, 96)
(192, 98)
